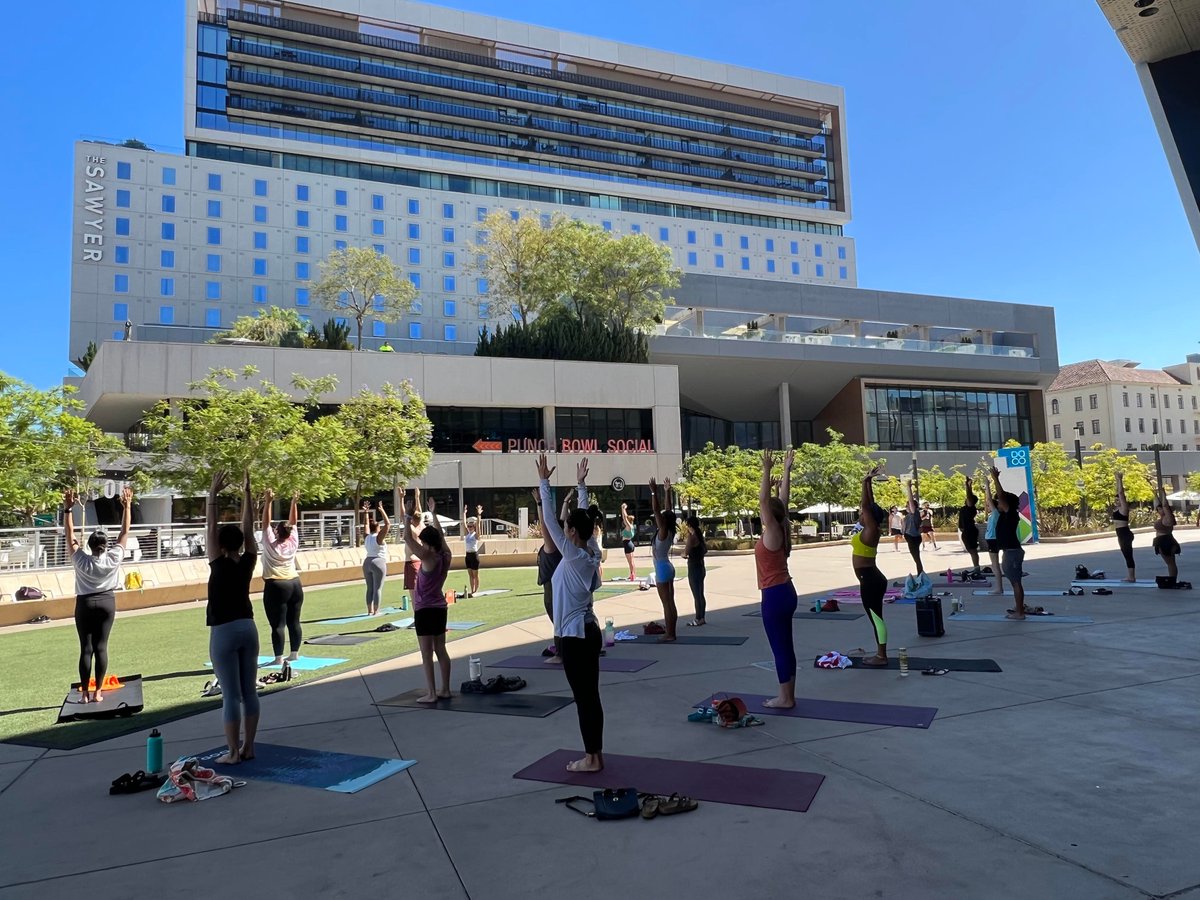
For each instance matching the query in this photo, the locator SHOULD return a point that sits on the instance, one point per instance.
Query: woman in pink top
(429, 601)
(283, 594)
(778, 592)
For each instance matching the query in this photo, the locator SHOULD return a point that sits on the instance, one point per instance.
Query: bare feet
(593, 762)
(97, 696)
(697, 623)
(445, 695)
(292, 657)
(998, 592)
(555, 660)
(277, 661)
(667, 639)
(779, 703)
(246, 753)
(1129, 580)
(1018, 616)
(232, 758)
(876, 661)
(428, 698)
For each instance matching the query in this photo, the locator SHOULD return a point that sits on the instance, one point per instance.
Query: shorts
(664, 572)
(1013, 565)
(970, 537)
(629, 547)
(410, 574)
(430, 622)
(1166, 545)
(473, 562)
(926, 529)
(896, 532)
(993, 545)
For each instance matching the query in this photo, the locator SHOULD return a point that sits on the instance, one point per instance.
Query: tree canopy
(388, 437)
(830, 474)
(722, 482)
(274, 326)
(360, 282)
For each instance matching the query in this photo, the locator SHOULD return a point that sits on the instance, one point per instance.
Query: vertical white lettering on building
(93, 209)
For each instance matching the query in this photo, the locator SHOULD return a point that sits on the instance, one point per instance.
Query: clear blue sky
(997, 150)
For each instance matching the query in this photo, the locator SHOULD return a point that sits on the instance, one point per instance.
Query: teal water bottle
(154, 759)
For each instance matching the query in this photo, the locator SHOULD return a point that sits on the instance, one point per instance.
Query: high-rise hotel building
(400, 126)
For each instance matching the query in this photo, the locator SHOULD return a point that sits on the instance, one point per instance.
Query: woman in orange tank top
(778, 592)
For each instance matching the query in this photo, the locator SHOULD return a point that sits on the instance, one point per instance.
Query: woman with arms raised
(771, 563)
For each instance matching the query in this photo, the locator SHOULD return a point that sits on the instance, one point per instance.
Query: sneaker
(211, 689)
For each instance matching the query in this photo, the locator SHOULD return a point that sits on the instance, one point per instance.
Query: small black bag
(1165, 581)
(929, 617)
(610, 803)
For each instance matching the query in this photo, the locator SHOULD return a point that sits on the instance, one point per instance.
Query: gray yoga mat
(607, 664)
(835, 711)
(509, 703)
(917, 663)
(804, 614)
(1027, 594)
(710, 782)
(1113, 583)
(998, 617)
(723, 640)
(340, 640)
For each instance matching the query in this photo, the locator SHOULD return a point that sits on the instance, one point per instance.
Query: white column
(785, 414)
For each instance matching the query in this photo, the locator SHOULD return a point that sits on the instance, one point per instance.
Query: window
(818, 250)
(378, 329)
(719, 260)
(414, 207)
(166, 315)
(1166, 401)
(1079, 429)
(481, 213)
(770, 265)
(691, 237)
(1054, 407)
(214, 182)
(795, 268)
(1193, 401)
(120, 335)
(1154, 426)
(260, 240)
(744, 242)
(691, 258)
(484, 310)
(481, 286)
(1141, 426)
(1095, 426)
(1196, 426)
(1139, 399)
(168, 175)
(380, 249)
(414, 256)
(212, 318)
(664, 234)
(260, 267)
(124, 171)
(122, 254)
(415, 278)
(902, 417)
(213, 262)
(259, 293)
(167, 231)
(1078, 404)
(166, 287)
(450, 332)
(214, 209)
(122, 227)
(302, 218)
(602, 425)
(123, 199)
(340, 223)
(212, 290)
(339, 198)
(842, 272)
(447, 235)
(121, 284)
(339, 245)
(1153, 400)
(448, 259)
(302, 193)
(606, 225)
(377, 202)
(214, 237)
(260, 187)
(120, 312)
(166, 259)
(448, 284)
(302, 244)
(414, 231)
(447, 210)
(1125, 399)
(1128, 426)
(745, 264)
(841, 252)
(795, 247)
(449, 309)
(414, 328)
(1058, 432)
(167, 202)
(718, 240)
(1094, 401)
(301, 296)
(820, 271)
(302, 271)
(377, 226)
(260, 214)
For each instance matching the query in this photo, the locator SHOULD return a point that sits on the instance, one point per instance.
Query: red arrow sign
(482, 446)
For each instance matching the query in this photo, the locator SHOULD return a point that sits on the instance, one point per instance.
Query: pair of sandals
(136, 783)
(656, 805)
(39, 620)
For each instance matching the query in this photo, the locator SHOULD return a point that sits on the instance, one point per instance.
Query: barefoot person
(1120, 524)
(912, 527)
(1009, 542)
(579, 641)
(627, 533)
(412, 565)
(233, 638)
(989, 534)
(375, 561)
(927, 525)
(1165, 544)
(660, 551)
(97, 576)
(968, 530)
(548, 558)
(472, 558)
(864, 546)
(771, 564)
(896, 526)
(283, 594)
(695, 548)
(429, 602)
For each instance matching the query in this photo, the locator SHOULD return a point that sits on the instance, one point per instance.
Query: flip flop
(1102, 591)
(934, 671)
(650, 807)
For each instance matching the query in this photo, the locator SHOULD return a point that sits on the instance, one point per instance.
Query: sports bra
(858, 548)
(1120, 520)
(627, 534)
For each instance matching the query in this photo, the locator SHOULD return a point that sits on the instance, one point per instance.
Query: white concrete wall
(1148, 424)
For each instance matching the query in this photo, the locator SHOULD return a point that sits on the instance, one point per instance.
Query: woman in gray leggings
(375, 563)
(233, 637)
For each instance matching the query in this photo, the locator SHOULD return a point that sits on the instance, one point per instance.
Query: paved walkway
(1069, 775)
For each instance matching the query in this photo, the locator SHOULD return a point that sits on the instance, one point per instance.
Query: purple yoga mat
(739, 785)
(607, 664)
(849, 592)
(837, 710)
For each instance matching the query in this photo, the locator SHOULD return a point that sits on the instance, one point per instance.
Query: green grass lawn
(170, 649)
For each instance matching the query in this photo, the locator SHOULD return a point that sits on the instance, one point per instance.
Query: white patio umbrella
(1184, 496)
(826, 508)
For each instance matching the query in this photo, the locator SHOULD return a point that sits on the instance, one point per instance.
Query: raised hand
(70, 498)
(379, 506)
(544, 469)
(220, 480)
(789, 460)
(479, 511)
(431, 505)
(537, 497)
(768, 460)
(268, 496)
(581, 471)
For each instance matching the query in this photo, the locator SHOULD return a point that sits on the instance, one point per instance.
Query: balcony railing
(845, 340)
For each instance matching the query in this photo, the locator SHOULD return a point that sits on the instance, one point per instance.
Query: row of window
(212, 289)
(1094, 402)
(1141, 427)
(212, 319)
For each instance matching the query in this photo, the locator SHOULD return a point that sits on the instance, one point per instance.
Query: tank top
(993, 518)
(472, 542)
(373, 548)
(771, 566)
(428, 593)
(695, 553)
(661, 550)
(627, 534)
(858, 548)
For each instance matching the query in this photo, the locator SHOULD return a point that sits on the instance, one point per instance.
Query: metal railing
(845, 340)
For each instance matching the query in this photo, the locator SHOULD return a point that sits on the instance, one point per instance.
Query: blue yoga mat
(303, 664)
(348, 620)
(997, 617)
(344, 773)
(450, 626)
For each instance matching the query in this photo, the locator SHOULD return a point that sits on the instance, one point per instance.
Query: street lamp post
(1079, 462)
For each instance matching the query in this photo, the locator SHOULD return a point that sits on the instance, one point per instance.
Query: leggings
(696, 573)
(548, 599)
(233, 649)
(914, 547)
(581, 662)
(282, 599)
(872, 585)
(778, 607)
(374, 571)
(94, 614)
(1125, 542)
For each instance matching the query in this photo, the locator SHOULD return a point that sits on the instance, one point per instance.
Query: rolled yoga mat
(607, 664)
(1062, 620)
(835, 710)
(722, 640)
(343, 773)
(509, 703)
(340, 640)
(805, 614)
(917, 663)
(737, 785)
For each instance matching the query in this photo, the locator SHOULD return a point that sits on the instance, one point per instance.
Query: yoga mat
(1065, 620)
(450, 626)
(125, 701)
(607, 664)
(303, 664)
(349, 620)
(834, 711)
(917, 663)
(805, 614)
(853, 593)
(490, 593)
(344, 773)
(1113, 583)
(340, 640)
(509, 703)
(1027, 594)
(737, 785)
(723, 640)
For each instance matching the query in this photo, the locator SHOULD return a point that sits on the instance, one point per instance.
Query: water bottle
(154, 759)
(475, 668)
(817, 605)
(903, 662)
(949, 576)
(609, 639)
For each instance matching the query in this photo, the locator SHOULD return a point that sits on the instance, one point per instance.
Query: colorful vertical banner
(1016, 477)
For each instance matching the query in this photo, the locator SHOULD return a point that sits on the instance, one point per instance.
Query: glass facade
(579, 423)
(914, 418)
(700, 429)
(457, 428)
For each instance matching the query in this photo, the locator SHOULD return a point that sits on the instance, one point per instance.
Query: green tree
(334, 335)
(1100, 469)
(623, 280)
(721, 482)
(46, 446)
(522, 262)
(274, 327)
(557, 335)
(945, 490)
(830, 474)
(360, 282)
(1056, 479)
(85, 361)
(890, 493)
(1193, 481)
(389, 439)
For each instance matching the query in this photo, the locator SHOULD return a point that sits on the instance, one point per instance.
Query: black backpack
(1082, 573)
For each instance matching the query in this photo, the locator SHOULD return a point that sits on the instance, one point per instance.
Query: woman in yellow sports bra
(872, 584)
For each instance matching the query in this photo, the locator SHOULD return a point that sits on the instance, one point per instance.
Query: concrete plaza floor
(1072, 774)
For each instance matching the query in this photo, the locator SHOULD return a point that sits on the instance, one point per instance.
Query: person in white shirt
(575, 625)
(283, 594)
(97, 575)
(375, 561)
(472, 559)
